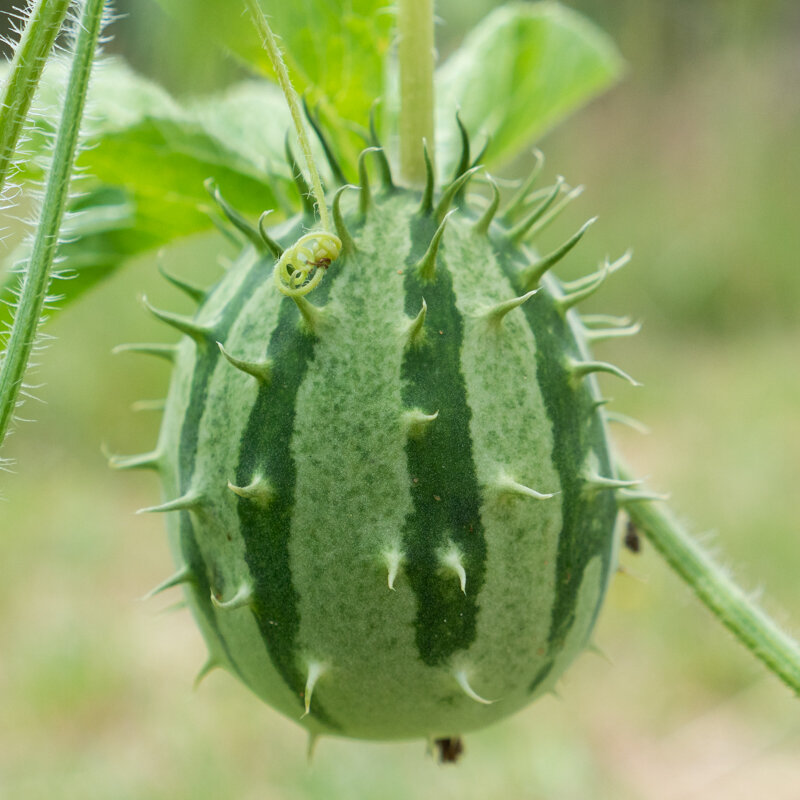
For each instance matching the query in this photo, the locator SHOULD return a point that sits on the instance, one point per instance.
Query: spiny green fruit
(392, 500)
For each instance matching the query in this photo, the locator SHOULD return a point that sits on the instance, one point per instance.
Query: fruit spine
(393, 504)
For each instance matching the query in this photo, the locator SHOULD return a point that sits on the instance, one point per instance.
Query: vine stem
(416, 57)
(38, 273)
(710, 582)
(282, 74)
(30, 55)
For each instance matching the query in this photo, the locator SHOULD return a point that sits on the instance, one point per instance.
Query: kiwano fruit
(392, 503)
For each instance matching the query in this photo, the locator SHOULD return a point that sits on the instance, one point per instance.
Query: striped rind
(391, 568)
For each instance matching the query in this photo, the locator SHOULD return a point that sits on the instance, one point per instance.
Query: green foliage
(147, 157)
(335, 50)
(520, 72)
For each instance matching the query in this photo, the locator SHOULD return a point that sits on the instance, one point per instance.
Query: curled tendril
(302, 266)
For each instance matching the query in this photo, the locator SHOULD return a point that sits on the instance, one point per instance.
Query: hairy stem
(416, 55)
(748, 623)
(38, 272)
(30, 56)
(278, 65)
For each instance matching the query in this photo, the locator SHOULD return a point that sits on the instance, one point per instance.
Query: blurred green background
(694, 161)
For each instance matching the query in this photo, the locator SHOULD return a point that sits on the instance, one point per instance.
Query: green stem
(276, 59)
(416, 56)
(30, 56)
(38, 272)
(749, 624)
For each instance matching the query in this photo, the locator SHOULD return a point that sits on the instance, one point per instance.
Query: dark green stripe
(205, 361)
(265, 448)
(587, 520)
(444, 487)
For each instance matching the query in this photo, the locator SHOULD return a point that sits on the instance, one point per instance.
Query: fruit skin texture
(351, 478)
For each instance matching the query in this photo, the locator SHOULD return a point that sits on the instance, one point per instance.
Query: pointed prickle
(348, 243)
(271, 244)
(211, 664)
(234, 217)
(532, 274)
(426, 266)
(625, 496)
(567, 301)
(464, 160)
(330, 157)
(519, 197)
(426, 205)
(243, 597)
(607, 269)
(595, 650)
(603, 334)
(311, 747)
(183, 575)
(416, 423)
(478, 159)
(259, 490)
(554, 212)
(452, 562)
(312, 315)
(580, 369)
(181, 605)
(195, 293)
(374, 140)
(604, 321)
(481, 227)
(517, 233)
(365, 198)
(449, 194)
(461, 679)
(186, 325)
(168, 352)
(394, 560)
(630, 422)
(149, 405)
(415, 332)
(496, 314)
(315, 672)
(186, 502)
(504, 485)
(150, 460)
(597, 482)
(260, 370)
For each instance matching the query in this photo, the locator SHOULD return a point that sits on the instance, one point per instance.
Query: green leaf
(523, 69)
(334, 48)
(147, 160)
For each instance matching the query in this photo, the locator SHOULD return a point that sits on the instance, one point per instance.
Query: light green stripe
(511, 436)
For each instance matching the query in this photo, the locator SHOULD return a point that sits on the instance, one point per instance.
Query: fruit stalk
(748, 623)
(415, 52)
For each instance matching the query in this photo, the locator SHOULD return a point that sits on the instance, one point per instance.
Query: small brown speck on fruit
(632, 540)
(450, 749)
